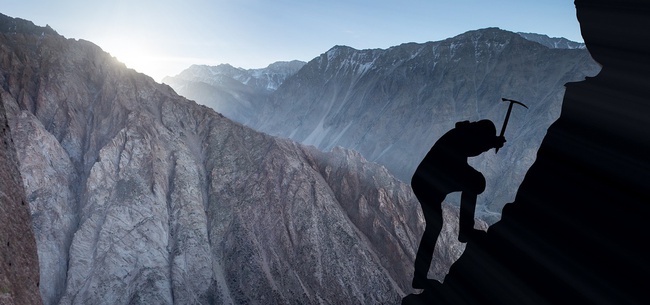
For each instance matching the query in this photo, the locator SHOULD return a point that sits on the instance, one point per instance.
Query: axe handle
(505, 123)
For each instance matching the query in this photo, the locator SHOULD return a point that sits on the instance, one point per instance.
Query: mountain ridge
(553, 42)
(236, 101)
(268, 78)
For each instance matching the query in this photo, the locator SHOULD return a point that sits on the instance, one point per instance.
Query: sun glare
(138, 57)
(133, 55)
(148, 59)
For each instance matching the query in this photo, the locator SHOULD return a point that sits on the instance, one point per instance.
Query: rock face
(234, 92)
(140, 196)
(19, 272)
(392, 105)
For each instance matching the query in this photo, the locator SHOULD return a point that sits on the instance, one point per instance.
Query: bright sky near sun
(163, 37)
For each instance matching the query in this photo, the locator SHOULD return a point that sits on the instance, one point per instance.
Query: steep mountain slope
(140, 196)
(391, 105)
(234, 92)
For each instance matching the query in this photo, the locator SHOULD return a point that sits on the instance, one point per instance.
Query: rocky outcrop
(19, 271)
(140, 196)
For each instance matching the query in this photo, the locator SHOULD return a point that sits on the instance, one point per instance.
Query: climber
(445, 170)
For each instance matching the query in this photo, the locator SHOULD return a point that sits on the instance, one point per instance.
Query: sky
(163, 37)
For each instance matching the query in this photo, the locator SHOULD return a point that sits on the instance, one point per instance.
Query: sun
(133, 54)
(149, 57)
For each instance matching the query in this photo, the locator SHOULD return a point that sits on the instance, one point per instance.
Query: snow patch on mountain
(269, 78)
(552, 42)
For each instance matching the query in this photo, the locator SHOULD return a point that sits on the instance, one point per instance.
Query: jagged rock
(19, 270)
(49, 177)
(139, 196)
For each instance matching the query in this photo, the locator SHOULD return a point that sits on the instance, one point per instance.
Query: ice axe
(505, 122)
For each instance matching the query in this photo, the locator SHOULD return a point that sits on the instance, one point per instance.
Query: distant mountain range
(234, 92)
(391, 105)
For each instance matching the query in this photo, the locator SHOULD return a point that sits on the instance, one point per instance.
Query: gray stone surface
(19, 269)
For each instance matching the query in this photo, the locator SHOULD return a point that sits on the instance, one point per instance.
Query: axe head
(505, 122)
(513, 101)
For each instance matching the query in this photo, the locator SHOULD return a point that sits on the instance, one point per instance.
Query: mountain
(140, 196)
(269, 78)
(234, 92)
(391, 105)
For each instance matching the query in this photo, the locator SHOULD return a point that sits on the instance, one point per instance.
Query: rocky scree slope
(140, 196)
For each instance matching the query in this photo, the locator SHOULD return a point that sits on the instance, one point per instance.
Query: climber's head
(479, 137)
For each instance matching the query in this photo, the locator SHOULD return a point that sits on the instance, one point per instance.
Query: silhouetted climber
(445, 170)
(577, 230)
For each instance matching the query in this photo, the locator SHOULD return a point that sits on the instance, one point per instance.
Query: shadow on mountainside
(575, 232)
